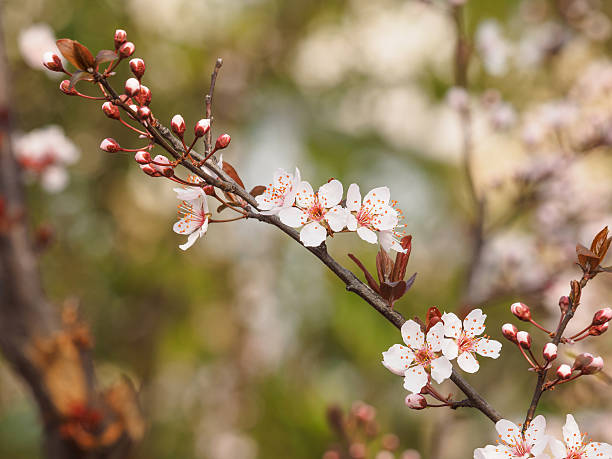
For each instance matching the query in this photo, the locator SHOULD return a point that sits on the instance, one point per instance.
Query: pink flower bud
(416, 401)
(110, 145)
(595, 366)
(510, 331)
(564, 304)
(142, 157)
(110, 110)
(134, 108)
(144, 113)
(202, 127)
(66, 89)
(582, 360)
(126, 49)
(178, 125)
(524, 339)
(53, 62)
(144, 95)
(138, 67)
(120, 37)
(564, 371)
(550, 352)
(357, 450)
(602, 316)
(150, 170)
(522, 311)
(132, 87)
(163, 170)
(597, 330)
(223, 141)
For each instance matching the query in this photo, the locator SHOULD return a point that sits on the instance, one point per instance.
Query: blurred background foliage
(241, 344)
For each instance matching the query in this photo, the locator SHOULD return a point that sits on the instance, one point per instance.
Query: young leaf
(257, 190)
(105, 55)
(77, 54)
(371, 282)
(599, 240)
(78, 76)
(229, 170)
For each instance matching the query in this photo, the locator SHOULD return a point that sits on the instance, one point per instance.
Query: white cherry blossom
(420, 357)
(279, 194)
(315, 212)
(194, 215)
(465, 342)
(512, 443)
(370, 215)
(576, 446)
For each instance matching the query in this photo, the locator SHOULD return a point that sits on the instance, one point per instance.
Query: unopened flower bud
(138, 67)
(522, 311)
(595, 366)
(209, 190)
(66, 89)
(132, 86)
(53, 62)
(582, 360)
(144, 95)
(550, 352)
(223, 141)
(144, 113)
(510, 331)
(178, 125)
(120, 37)
(597, 330)
(110, 110)
(142, 157)
(564, 303)
(150, 170)
(110, 145)
(201, 127)
(564, 371)
(126, 49)
(164, 170)
(416, 401)
(602, 316)
(524, 339)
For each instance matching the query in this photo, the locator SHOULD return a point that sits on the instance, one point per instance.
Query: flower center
(466, 344)
(520, 448)
(190, 214)
(316, 212)
(423, 356)
(364, 217)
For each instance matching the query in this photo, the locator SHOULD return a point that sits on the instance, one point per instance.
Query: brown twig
(208, 101)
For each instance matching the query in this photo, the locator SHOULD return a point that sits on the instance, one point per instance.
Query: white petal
(353, 198)
(598, 450)
(435, 335)
(292, 216)
(507, 430)
(452, 325)
(571, 433)
(282, 178)
(412, 335)
(367, 234)
(496, 452)
(54, 179)
(336, 217)
(535, 435)
(313, 235)
(488, 347)
(351, 222)
(473, 324)
(450, 349)
(305, 195)
(330, 194)
(190, 240)
(397, 359)
(186, 225)
(388, 242)
(384, 222)
(377, 198)
(441, 369)
(557, 448)
(189, 194)
(415, 379)
(467, 362)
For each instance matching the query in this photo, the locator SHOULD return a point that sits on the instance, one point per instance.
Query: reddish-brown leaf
(599, 240)
(77, 54)
(78, 76)
(392, 291)
(229, 170)
(369, 278)
(384, 266)
(257, 190)
(84, 56)
(586, 258)
(401, 260)
(105, 55)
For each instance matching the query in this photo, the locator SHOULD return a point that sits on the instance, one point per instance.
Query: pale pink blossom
(193, 217)
(316, 212)
(34, 41)
(420, 357)
(575, 445)
(280, 194)
(513, 443)
(465, 341)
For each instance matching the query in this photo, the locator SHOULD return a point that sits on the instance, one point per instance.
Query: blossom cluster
(321, 213)
(534, 442)
(428, 355)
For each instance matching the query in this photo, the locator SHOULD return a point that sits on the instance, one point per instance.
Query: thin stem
(227, 219)
(533, 365)
(534, 323)
(133, 128)
(208, 101)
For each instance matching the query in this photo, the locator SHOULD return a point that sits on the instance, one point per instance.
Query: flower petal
(351, 222)
(435, 335)
(571, 433)
(397, 359)
(384, 222)
(190, 240)
(488, 347)
(596, 450)
(507, 431)
(412, 335)
(450, 349)
(467, 362)
(367, 234)
(377, 199)
(353, 198)
(452, 325)
(336, 217)
(415, 379)
(557, 448)
(441, 369)
(473, 324)
(535, 435)
(304, 197)
(313, 235)
(292, 216)
(330, 194)
(388, 242)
